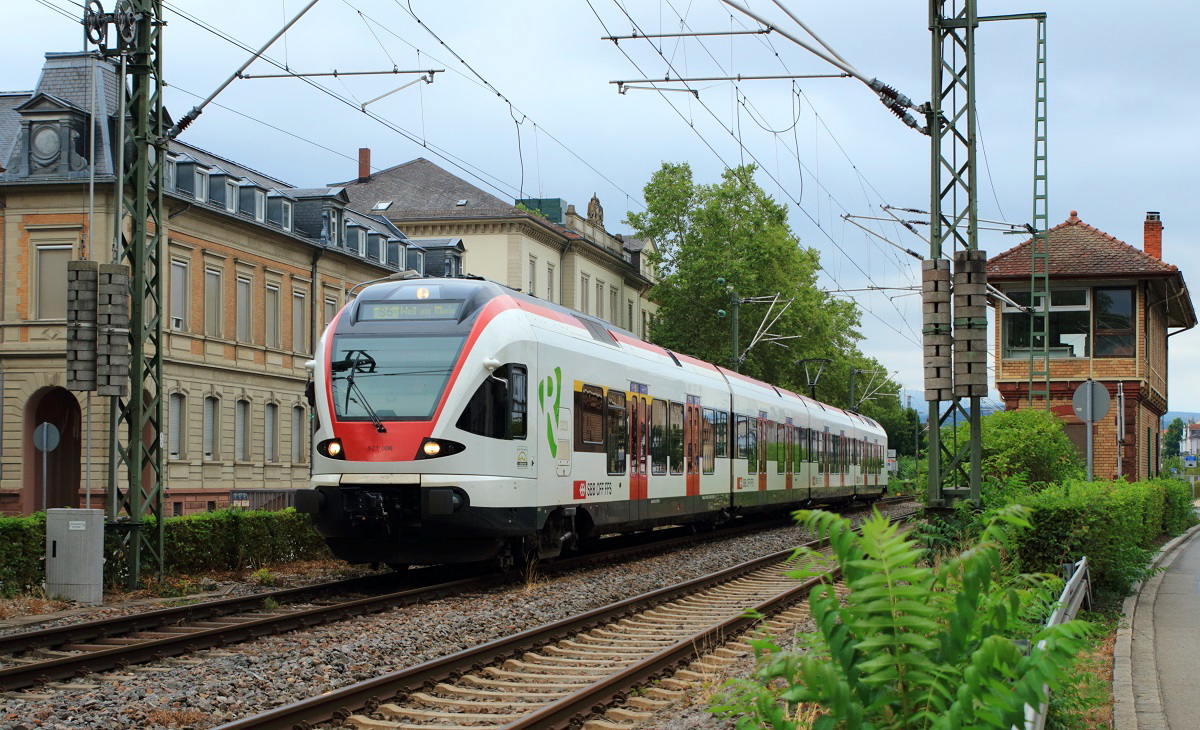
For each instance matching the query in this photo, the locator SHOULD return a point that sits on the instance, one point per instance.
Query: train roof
(606, 332)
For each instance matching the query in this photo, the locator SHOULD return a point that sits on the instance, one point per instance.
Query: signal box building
(1112, 310)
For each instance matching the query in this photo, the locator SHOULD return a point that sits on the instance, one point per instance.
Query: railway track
(78, 650)
(555, 675)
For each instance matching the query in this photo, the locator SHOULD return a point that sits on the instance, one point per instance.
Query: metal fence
(262, 499)
(1076, 593)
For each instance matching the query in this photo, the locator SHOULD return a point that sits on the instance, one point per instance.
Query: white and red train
(458, 420)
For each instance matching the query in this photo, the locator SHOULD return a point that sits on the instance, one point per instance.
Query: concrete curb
(1141, 709)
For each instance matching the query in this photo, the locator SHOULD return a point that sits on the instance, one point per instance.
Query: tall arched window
(270, 431)
(176, 404)
(241, 430)
(212, 409)
(299, 431)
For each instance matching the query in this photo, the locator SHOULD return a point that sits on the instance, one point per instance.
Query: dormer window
(231, 196)
(260, 205)
(169, 174)
(335, 227)
(202, 185)
(287, 215)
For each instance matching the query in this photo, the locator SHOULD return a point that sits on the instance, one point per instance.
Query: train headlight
(437, 448)
(331, 448)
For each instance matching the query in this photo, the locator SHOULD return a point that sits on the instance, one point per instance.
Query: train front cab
(454, 482)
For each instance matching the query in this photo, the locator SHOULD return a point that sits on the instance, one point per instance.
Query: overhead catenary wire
(912, 337)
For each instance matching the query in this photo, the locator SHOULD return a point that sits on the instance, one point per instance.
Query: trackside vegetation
(212, 541)
(925, 636)
(912, 645)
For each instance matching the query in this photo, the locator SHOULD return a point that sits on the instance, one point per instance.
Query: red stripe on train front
(360, 440)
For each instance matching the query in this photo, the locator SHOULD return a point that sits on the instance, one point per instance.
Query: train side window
(742, 444)
(676, 453)
(721, 433)
(780, 447)
(497, 408)
(518, 402)
(618, 435)
(658, 437)
(590, 426)
(789, 433)
(708, 442)
(819, 440)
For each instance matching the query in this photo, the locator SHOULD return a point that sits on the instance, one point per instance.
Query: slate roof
(10, 121)
(421, 189)
(65, 75)
(1079, 250)
(231, 167)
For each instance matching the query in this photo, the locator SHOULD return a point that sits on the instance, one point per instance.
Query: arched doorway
(61, 479)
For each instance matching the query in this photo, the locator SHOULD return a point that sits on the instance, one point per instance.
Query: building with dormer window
(253, 270)
(538, 245)
(1112, 310)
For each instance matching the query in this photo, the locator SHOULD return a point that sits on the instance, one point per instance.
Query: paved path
(1156, 661)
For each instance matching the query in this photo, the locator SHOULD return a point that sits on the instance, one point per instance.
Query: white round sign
(1100, 401)
(45, 437)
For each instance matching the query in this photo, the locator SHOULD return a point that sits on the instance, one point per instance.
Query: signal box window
(497, 408)
(618, 434)
(658, 437)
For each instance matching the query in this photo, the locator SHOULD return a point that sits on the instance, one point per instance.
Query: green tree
(734, 231)
(909, 646)
(1172, 439)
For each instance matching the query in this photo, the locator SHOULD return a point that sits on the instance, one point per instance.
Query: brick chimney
(364, 164)
(1152, 235)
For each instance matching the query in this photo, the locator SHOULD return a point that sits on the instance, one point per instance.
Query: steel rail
(339, 704)
(85, 631)
(189, 641)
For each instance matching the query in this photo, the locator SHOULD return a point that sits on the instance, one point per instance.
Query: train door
(762, 453)
(691, 441)
(639, 454)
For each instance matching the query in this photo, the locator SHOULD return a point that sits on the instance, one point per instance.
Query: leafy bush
(1027, 445)
(224, 540)
(22, 553)
(911, 646)
(1115, 524)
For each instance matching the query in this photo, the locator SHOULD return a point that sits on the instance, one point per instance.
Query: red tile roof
(1077, 249)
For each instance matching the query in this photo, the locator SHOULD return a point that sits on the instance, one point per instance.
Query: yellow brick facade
(196, 364)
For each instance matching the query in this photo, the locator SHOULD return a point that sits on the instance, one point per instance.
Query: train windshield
(389, 378)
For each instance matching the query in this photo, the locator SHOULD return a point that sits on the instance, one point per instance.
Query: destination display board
(392, 311)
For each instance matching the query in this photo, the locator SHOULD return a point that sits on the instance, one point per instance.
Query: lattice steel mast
(954, 328)
(138, 29)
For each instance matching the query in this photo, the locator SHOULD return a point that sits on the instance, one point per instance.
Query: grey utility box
(75, 554)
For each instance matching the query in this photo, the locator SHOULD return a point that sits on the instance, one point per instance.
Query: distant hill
(1187, 416)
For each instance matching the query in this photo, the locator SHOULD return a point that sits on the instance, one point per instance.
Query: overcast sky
(527, 109)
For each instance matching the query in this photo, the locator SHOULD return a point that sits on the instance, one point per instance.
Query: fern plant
(911, 646)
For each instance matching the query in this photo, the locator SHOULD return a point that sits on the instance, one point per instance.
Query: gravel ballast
(213, 687)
